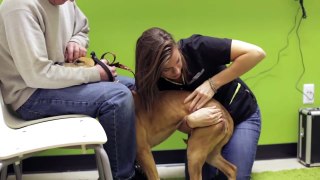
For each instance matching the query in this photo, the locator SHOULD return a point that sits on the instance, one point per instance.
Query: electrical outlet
(308, 93)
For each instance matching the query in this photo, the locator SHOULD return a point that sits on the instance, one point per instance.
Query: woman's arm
(244, 56)
(206, 116)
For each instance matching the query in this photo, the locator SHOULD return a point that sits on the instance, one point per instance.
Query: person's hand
(200, 96)
(74, 51)
(204, 117)
(103, 74)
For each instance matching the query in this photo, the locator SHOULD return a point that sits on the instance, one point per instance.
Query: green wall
(116, 24)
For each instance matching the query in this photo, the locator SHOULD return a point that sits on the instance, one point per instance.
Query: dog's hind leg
(196, 159)
(216, 160)
(200, 144)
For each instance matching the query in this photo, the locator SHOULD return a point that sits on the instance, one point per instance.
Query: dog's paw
(139, 174)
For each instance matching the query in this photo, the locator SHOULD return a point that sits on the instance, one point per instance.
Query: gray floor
(165, 171)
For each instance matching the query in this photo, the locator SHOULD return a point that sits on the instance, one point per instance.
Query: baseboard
(276, 151)
(87, 162)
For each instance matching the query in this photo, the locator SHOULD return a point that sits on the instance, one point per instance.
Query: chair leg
(103, 163)
(3, 172)
(18, 170)
(99, 165)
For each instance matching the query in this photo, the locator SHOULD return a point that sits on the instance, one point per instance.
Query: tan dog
(204, 144)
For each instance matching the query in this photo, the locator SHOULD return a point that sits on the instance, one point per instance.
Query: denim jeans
(240, 150)
(110, 102)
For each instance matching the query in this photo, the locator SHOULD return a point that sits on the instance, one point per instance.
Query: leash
(110, 63)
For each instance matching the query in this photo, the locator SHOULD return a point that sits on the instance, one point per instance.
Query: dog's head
(83, 61)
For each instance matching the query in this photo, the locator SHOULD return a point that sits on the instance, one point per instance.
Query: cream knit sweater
(33, 38)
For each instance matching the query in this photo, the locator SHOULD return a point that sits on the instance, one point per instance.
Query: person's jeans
(112, 103)
(240, 150)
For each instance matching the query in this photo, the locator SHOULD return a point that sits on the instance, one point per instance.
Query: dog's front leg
(146, 161)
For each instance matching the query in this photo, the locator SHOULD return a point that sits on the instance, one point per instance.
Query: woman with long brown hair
(209, 67)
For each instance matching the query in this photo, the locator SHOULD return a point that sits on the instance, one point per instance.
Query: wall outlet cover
(308, 93)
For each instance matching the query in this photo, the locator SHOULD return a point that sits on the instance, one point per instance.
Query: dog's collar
(176, 83)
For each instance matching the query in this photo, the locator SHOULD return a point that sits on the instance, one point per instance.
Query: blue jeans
(111, 102)
(240, 150)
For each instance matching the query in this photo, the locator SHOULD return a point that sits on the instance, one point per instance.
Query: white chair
(21, 139)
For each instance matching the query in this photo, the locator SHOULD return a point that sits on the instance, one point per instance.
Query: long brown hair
(154, 47)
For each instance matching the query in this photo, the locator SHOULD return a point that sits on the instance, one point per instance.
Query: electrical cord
(304, 13)
(280, 51)
(302, 62)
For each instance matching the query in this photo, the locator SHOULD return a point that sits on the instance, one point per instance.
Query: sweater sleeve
(80, 34)
(28, 48)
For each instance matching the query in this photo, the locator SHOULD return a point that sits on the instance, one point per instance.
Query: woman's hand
(74, 51)
(206, 116)
(200, 96)
(103, 74)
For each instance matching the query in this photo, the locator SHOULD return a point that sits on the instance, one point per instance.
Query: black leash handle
(116, 64)
(97, 61)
